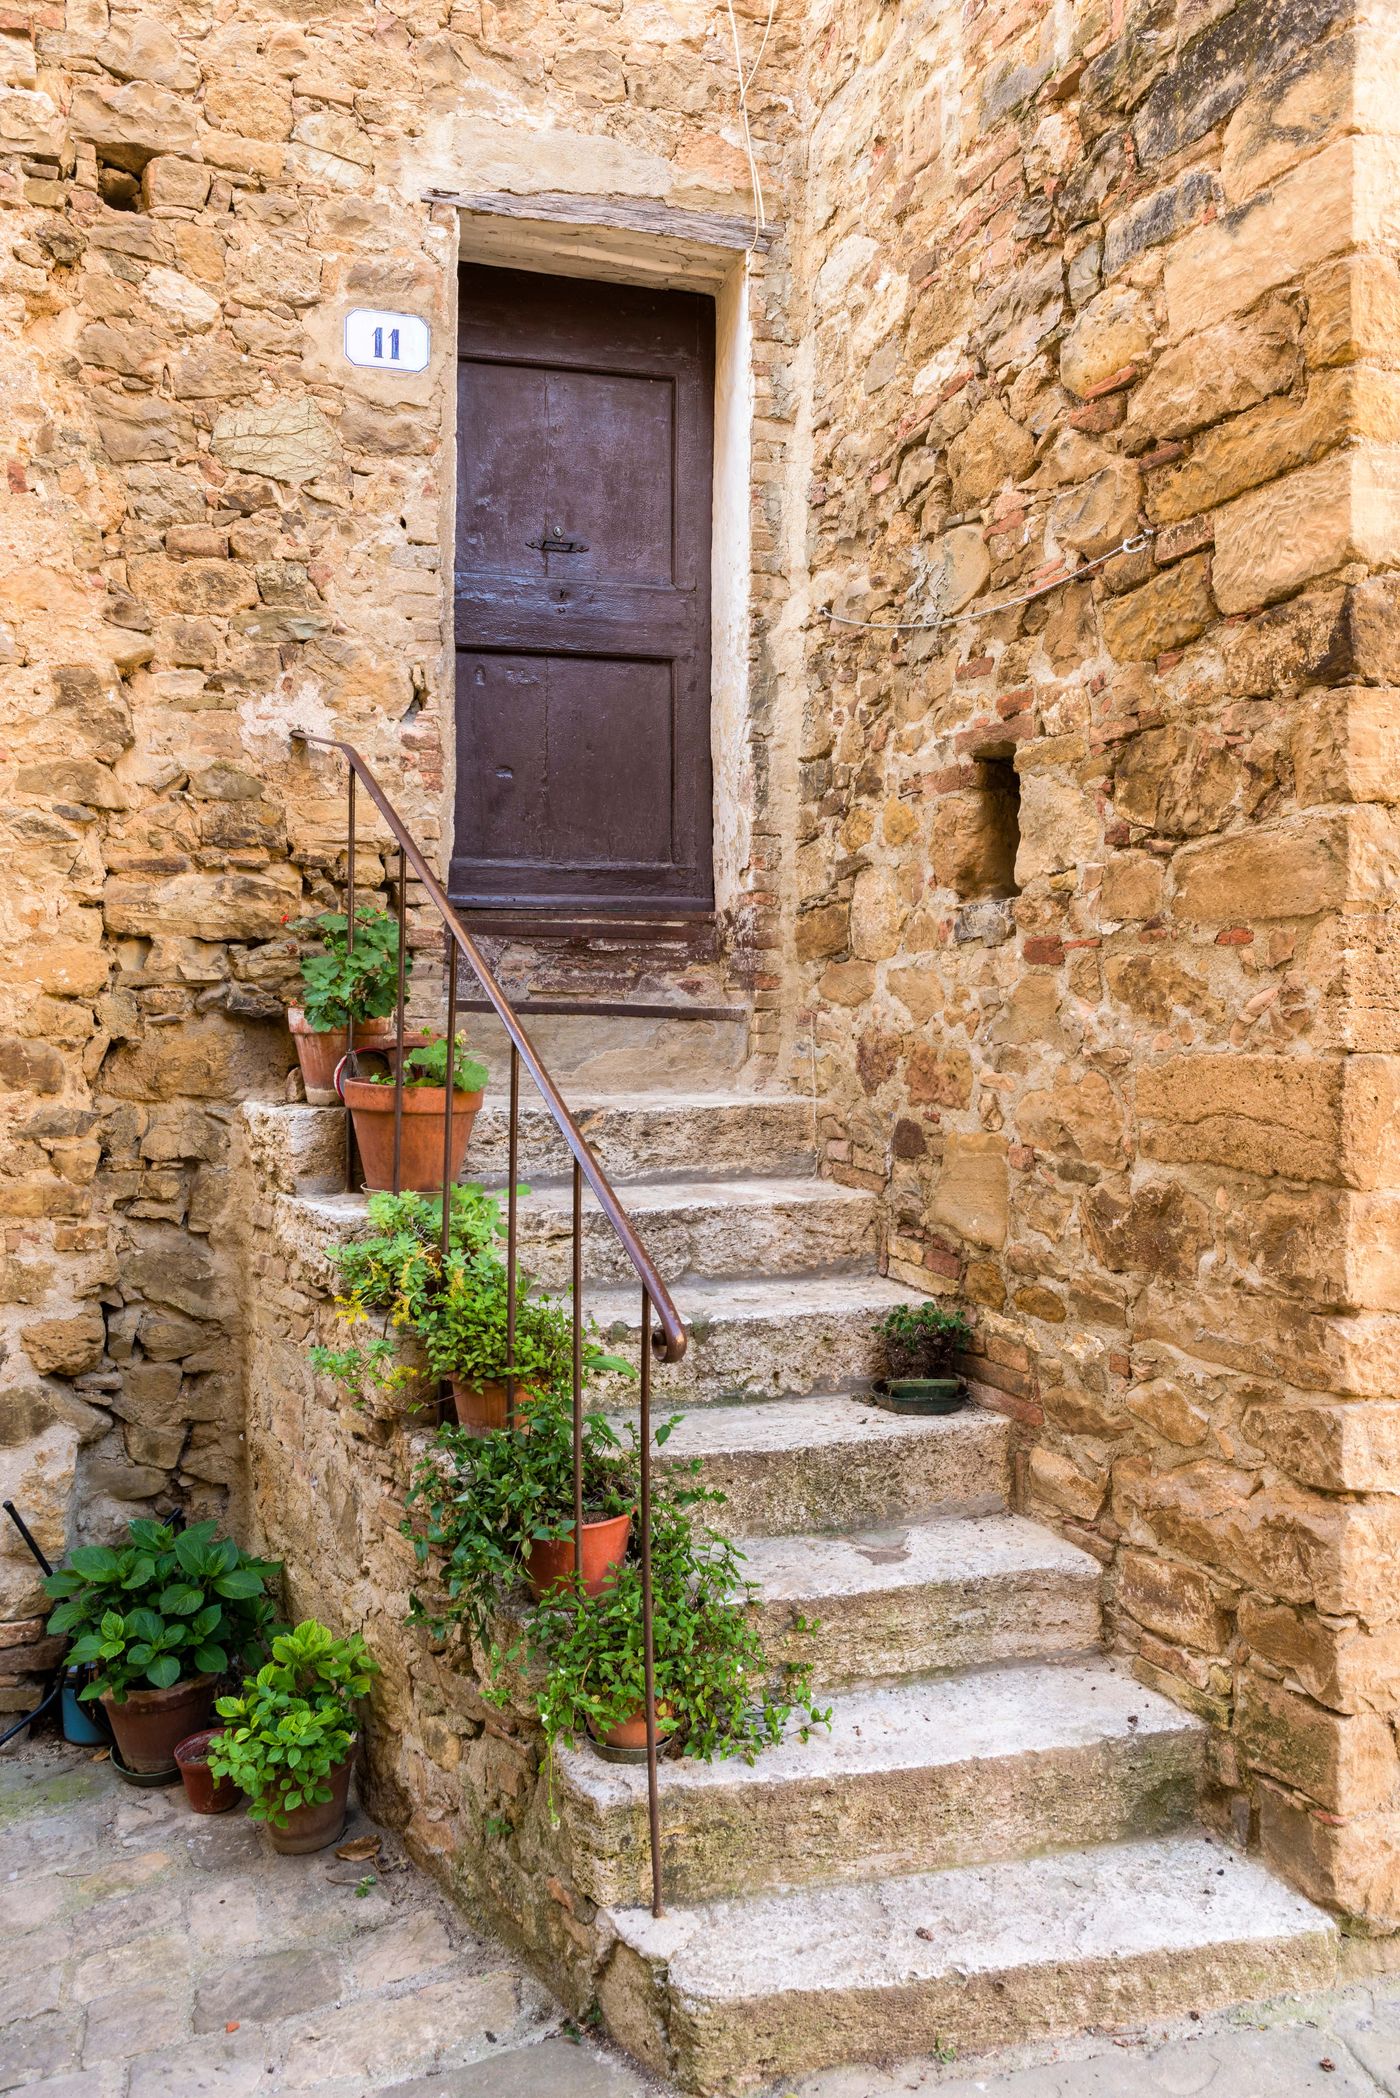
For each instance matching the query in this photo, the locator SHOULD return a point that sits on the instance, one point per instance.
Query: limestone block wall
(1096, 893)
(211, 528)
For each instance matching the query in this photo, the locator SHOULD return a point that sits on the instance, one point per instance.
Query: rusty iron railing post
(649, 1610)
(350, 949)
(399, 1025)
(512, 1227)
(578, 1368)
(450, 954)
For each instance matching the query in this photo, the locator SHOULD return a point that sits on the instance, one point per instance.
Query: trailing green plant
(475, 1507)
(293, 1723)
(478, 1503)
(427, 1065)
(457, 1309)
(162, 1608)
(920, 1340)
(716, 1693)
(341, 983)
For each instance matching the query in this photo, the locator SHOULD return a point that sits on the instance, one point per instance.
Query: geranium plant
(293, 1723)
(341, 983)
(426, 1064)
(162, 1608)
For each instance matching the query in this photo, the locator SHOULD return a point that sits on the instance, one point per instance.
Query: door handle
(551, 545)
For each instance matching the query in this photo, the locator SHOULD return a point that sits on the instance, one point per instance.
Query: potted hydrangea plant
(344, 984)
(288, 1739)
(158, 1620)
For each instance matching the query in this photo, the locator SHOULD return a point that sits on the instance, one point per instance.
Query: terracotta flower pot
(627, 1742)
(206, 1793)
(550, 1562)
(481, 1408)
(148, 1723)
(424, 1110)
(321, 1824)
(318, 1054)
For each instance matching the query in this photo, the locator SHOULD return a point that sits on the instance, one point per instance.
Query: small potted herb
(494, 1509)
(342, 984)
(370, 1099)
(386, 1279)
(919, 1342)
(288, 1739)
(159, 1619)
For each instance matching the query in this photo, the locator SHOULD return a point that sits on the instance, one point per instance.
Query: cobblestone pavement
(1345, 2044)
(153, 1953)
(149, 1952)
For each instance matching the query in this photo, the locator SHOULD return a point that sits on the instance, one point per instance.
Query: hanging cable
(1003, 604)
(746, 81)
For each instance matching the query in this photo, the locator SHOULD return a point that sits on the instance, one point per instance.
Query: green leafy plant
(920, 1340)
(161, 1608)
(715, 1693)
(427, 1065)
(457, 1309)
(341, 983)
(477, 1503)
(293, 1723)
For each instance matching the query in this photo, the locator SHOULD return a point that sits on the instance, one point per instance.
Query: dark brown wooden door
(585, 439)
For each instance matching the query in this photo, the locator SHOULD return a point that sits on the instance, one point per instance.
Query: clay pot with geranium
(344, 986)
(288, 1738)
(158, 1619)
(919, 1343)
(369, 1093)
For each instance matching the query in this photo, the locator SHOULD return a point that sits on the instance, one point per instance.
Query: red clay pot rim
(153, 1698)
(417, 1099)
(195, 1747)
(298, 1024)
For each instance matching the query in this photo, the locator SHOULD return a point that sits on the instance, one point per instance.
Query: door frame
(680, 250)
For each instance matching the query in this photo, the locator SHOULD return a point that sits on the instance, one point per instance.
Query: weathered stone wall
(211, 528)
(464, 1780)
(1073, 275)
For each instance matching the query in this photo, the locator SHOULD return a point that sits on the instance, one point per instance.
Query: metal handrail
(669, 1341)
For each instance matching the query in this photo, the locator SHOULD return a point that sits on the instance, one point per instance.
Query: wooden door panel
(599, 736)
(502, 706)
(499, 503)
(611, 443)
(610, 762)
(585, 417)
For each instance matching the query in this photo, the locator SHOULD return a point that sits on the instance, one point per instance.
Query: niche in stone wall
(977, 829)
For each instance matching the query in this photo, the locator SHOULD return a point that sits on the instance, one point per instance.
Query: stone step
(650, 1135)
(716, 1229)
(760, 1339)
(955, 1592)
(685, 1046)
(834, 1463)
(922, 1776)
(726, 1995)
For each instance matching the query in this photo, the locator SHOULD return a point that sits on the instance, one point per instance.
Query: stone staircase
(996, 1839)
